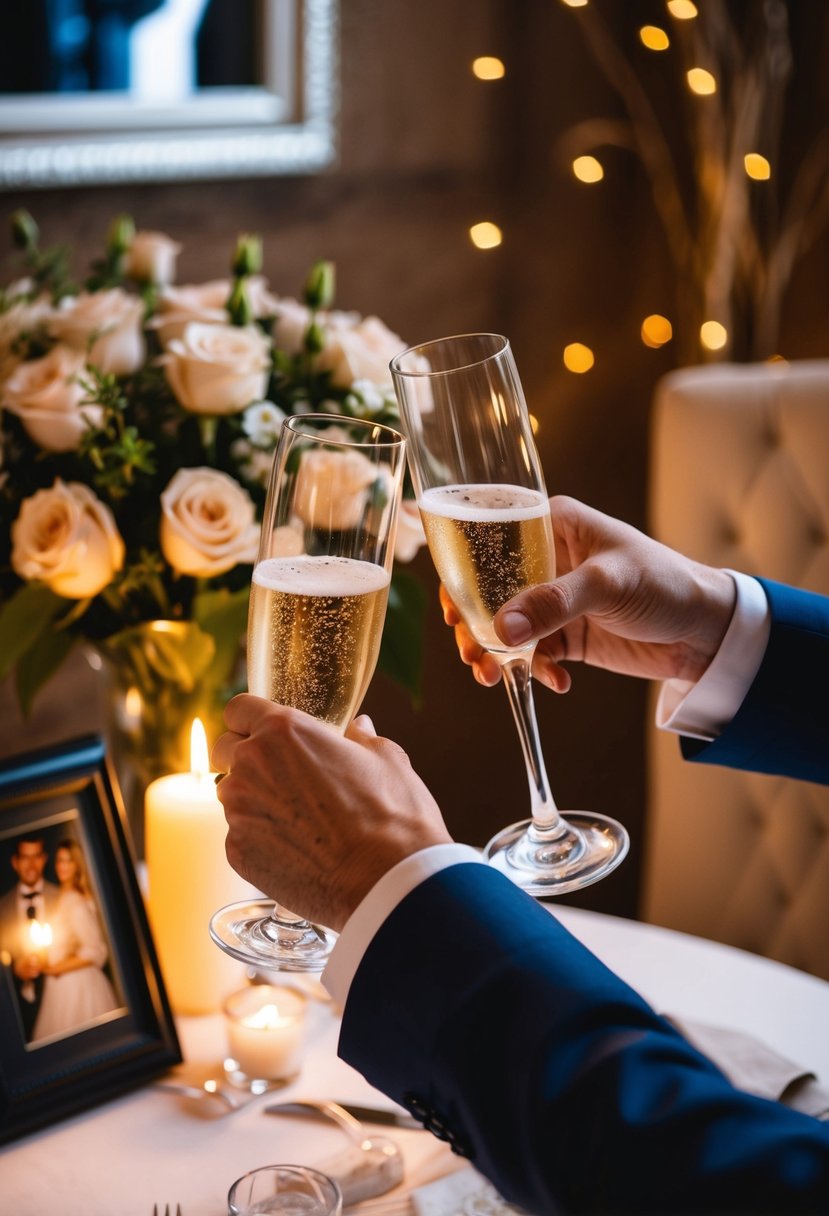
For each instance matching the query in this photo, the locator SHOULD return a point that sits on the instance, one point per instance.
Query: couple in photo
(60, 985)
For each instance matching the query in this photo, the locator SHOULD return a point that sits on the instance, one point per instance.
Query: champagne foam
(485, 502)
(312, 575)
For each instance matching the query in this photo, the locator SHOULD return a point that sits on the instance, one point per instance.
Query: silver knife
(365, 1114)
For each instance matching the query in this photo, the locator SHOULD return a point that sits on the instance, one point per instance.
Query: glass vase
(159, 681)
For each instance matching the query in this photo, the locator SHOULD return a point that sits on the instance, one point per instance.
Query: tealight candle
(265, 1028)
(189, 878)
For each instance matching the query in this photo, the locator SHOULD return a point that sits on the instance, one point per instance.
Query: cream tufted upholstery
(740, 478)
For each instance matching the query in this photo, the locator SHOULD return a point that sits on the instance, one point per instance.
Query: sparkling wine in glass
(315, 621)
(486, 514)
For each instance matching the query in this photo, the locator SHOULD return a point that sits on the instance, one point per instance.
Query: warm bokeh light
(485, 235)
(534, 424)
(575, 3)
(778, 359)
(757, 166)
(713, 335)
(578, 357)
(683, 10)
(656, 330)
(588, 169)
(654, 38)
(488, 67)
(701, 81)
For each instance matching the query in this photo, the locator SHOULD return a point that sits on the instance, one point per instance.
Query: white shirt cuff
(702, 710)
(381, 900)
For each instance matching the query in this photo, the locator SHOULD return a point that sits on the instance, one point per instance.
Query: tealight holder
(265, 1026)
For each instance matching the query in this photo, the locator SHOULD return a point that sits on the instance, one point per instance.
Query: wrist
(712, 604)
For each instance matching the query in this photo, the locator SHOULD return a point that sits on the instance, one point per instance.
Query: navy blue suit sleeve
(476, 1007)
(782, 725)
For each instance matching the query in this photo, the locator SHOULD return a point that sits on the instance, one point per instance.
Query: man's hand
(315, 818)
(620, 601)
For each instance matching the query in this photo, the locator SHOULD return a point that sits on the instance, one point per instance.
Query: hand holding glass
(486, 513)
(317, 607)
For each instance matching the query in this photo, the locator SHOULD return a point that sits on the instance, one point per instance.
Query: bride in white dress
(75, 991)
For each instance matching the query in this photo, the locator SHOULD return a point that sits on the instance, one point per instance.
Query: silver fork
(167, 1211)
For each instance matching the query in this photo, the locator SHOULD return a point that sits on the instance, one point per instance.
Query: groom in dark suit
(464, 999)
(31, 899)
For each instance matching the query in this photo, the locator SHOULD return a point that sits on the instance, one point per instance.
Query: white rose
(410, 535)
(178, 306)
(208, 523)
(261, 422)
(46, 396)
(331, 488)
(67, 538)
(218, 369)
(111, 321)
(360, 350)
(151, 258)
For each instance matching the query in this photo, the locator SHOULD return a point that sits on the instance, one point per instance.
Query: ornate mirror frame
(284, 126)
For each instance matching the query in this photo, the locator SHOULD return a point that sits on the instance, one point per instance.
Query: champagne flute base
(588, 850)
(250, 932)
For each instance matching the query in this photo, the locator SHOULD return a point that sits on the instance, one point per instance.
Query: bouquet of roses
(137, 423)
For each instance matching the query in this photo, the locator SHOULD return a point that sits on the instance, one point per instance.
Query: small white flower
(261, 423)
(372, 395)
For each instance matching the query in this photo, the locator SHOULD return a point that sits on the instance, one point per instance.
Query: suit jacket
(478, 1011)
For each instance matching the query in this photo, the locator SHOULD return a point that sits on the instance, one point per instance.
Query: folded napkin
(755, 1067)
(463, 1193)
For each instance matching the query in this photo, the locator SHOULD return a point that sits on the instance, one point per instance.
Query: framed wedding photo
(83, 1012)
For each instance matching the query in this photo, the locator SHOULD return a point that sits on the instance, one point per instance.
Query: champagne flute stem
(547, 824)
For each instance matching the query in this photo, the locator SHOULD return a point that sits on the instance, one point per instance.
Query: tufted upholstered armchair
(740, 478)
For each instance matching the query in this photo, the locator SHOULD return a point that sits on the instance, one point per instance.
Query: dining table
(151, 1147)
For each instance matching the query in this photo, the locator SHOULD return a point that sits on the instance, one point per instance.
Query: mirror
(108, 91)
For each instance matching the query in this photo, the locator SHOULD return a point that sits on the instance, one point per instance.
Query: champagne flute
(317, 606)
(485, 510)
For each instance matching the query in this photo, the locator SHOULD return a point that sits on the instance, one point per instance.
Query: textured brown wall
(426, 150)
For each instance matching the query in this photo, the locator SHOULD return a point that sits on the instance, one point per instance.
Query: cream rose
(22, 315)
(67, 538)
(208, 523)
(105, 326)
(151, 258)
(331, 488)
(358, 349)
(47, 397)
(218, 369)
(410, 535)
(291, 320)
(206, 302)
(178, 306)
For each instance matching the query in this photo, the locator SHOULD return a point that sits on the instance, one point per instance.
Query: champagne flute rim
(294, 425)
(422, 348)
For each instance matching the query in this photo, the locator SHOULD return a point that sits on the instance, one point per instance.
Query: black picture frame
(68, 793)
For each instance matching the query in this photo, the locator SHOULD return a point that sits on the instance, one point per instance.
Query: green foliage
(401, 651)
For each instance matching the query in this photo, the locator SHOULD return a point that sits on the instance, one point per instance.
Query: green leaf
(39, 664)
(223, 614)
(401, 651)
(23, 619)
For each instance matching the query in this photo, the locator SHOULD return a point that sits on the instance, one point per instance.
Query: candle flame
(266, 1018)
(199, 759)
(40, 934)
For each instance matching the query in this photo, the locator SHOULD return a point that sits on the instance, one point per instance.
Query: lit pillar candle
(265, 1025)
(189, 879)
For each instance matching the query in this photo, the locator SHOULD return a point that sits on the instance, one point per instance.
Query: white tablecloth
(148, 1147)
